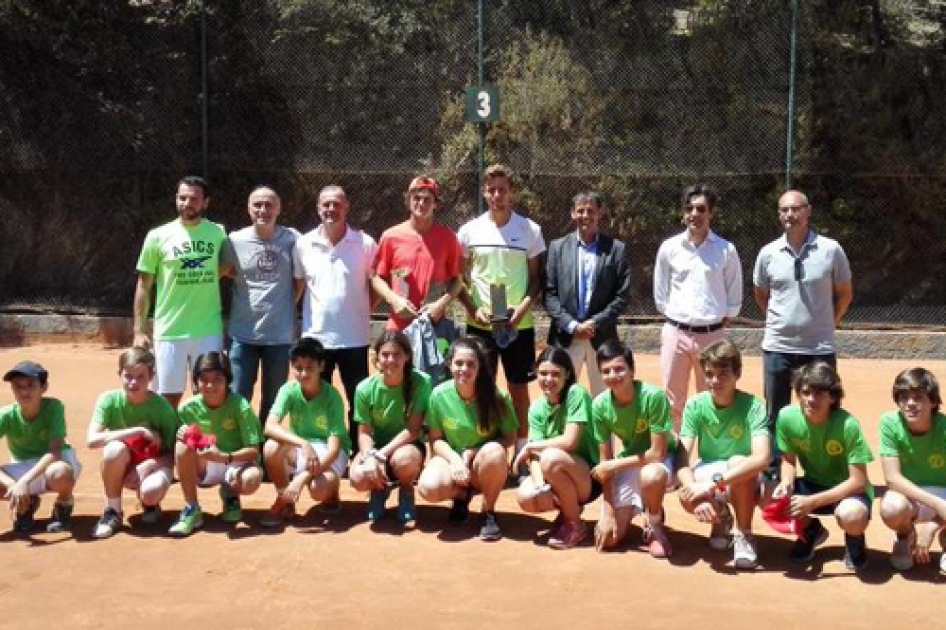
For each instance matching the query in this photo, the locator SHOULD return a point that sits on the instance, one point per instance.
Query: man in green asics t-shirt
(182, 259)
(828, 443)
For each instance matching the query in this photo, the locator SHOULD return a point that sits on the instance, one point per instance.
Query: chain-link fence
(103, 109)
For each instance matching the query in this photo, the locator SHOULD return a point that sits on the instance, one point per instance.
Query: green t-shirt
(647, 414)
(314, 419)
(382, 407)
(723, 433)
(456, 419)
(922, 457)
(824, 450)
(185, 263)
(30, 439)
(547, 421)
(234, 422)
(114, 413)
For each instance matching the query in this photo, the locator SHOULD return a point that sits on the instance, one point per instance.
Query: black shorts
(806, 488)
(518, 357)
(596, 490)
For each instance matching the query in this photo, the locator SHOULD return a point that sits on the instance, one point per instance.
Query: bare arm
(762, 299)
(298, 289)
(898, 483)
(843, 295)
(141, 307)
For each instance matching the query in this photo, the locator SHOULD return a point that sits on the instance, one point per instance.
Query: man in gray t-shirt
(262, 312)
(803, 286)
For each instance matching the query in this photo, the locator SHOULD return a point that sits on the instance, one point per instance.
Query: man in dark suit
(588, 286)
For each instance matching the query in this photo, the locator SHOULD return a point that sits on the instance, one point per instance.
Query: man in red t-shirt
(417, 266)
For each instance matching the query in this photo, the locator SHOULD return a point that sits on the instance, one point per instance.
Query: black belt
(695, 329)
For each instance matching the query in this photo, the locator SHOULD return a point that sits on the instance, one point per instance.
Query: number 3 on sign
(482, 104)
(484, 109)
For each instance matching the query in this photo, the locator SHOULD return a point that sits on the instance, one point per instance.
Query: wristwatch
(720, 482)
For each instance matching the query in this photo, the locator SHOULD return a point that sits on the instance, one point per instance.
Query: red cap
(425, 183)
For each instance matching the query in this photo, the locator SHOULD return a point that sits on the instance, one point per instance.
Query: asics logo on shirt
(194, 263)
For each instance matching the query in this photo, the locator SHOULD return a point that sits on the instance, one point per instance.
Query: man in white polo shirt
(335, 261)
(698, 288)
(803, 285)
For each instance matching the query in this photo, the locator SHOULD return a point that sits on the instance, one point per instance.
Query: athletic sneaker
(460, 511)
(376, 502)
(279, 512)
(658, 544)
(803, 549)
(150, 514)
(855, 552)
(61, 518)
(721, 533)
(568, 535)
(901, 557)
(232, 510)
(108, 525)
(744, 553)
(490, 528)
(191, 518)
(24, 522)
(405, 505)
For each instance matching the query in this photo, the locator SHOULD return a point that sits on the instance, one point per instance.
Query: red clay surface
(340, 573)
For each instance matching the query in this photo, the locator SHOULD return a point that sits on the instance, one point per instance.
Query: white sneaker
(901, 557)
(721, 535)
(744, 553)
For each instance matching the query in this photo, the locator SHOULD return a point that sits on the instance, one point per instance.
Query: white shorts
(38, 486)
(627, 485)
(704, 471)
(924, 513)
(217, 472)
(320, 448)
(175, 358)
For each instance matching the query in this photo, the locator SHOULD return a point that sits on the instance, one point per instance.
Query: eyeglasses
(799, 269)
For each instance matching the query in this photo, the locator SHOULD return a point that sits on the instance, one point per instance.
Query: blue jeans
(352, 366)
(246, 360)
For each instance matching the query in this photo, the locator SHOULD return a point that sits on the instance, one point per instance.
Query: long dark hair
(559, 357)
(489, 406)
(400, 340)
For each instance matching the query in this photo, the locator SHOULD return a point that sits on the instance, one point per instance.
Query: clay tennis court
(341, 573)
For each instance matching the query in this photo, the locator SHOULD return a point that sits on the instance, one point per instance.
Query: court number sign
(482, 104)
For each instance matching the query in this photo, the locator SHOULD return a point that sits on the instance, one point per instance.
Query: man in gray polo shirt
(263, 311)
(803, 285)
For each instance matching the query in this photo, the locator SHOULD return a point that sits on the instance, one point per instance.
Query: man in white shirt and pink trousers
(698, 288)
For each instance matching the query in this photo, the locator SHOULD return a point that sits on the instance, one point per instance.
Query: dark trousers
(779, 368)
(352, 366)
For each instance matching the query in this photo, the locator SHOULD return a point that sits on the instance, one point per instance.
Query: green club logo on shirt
(321, 422)
(833, 447)
(449, 424)
(641, 426)
(229, 424)
(936, 461)
(735, 432)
